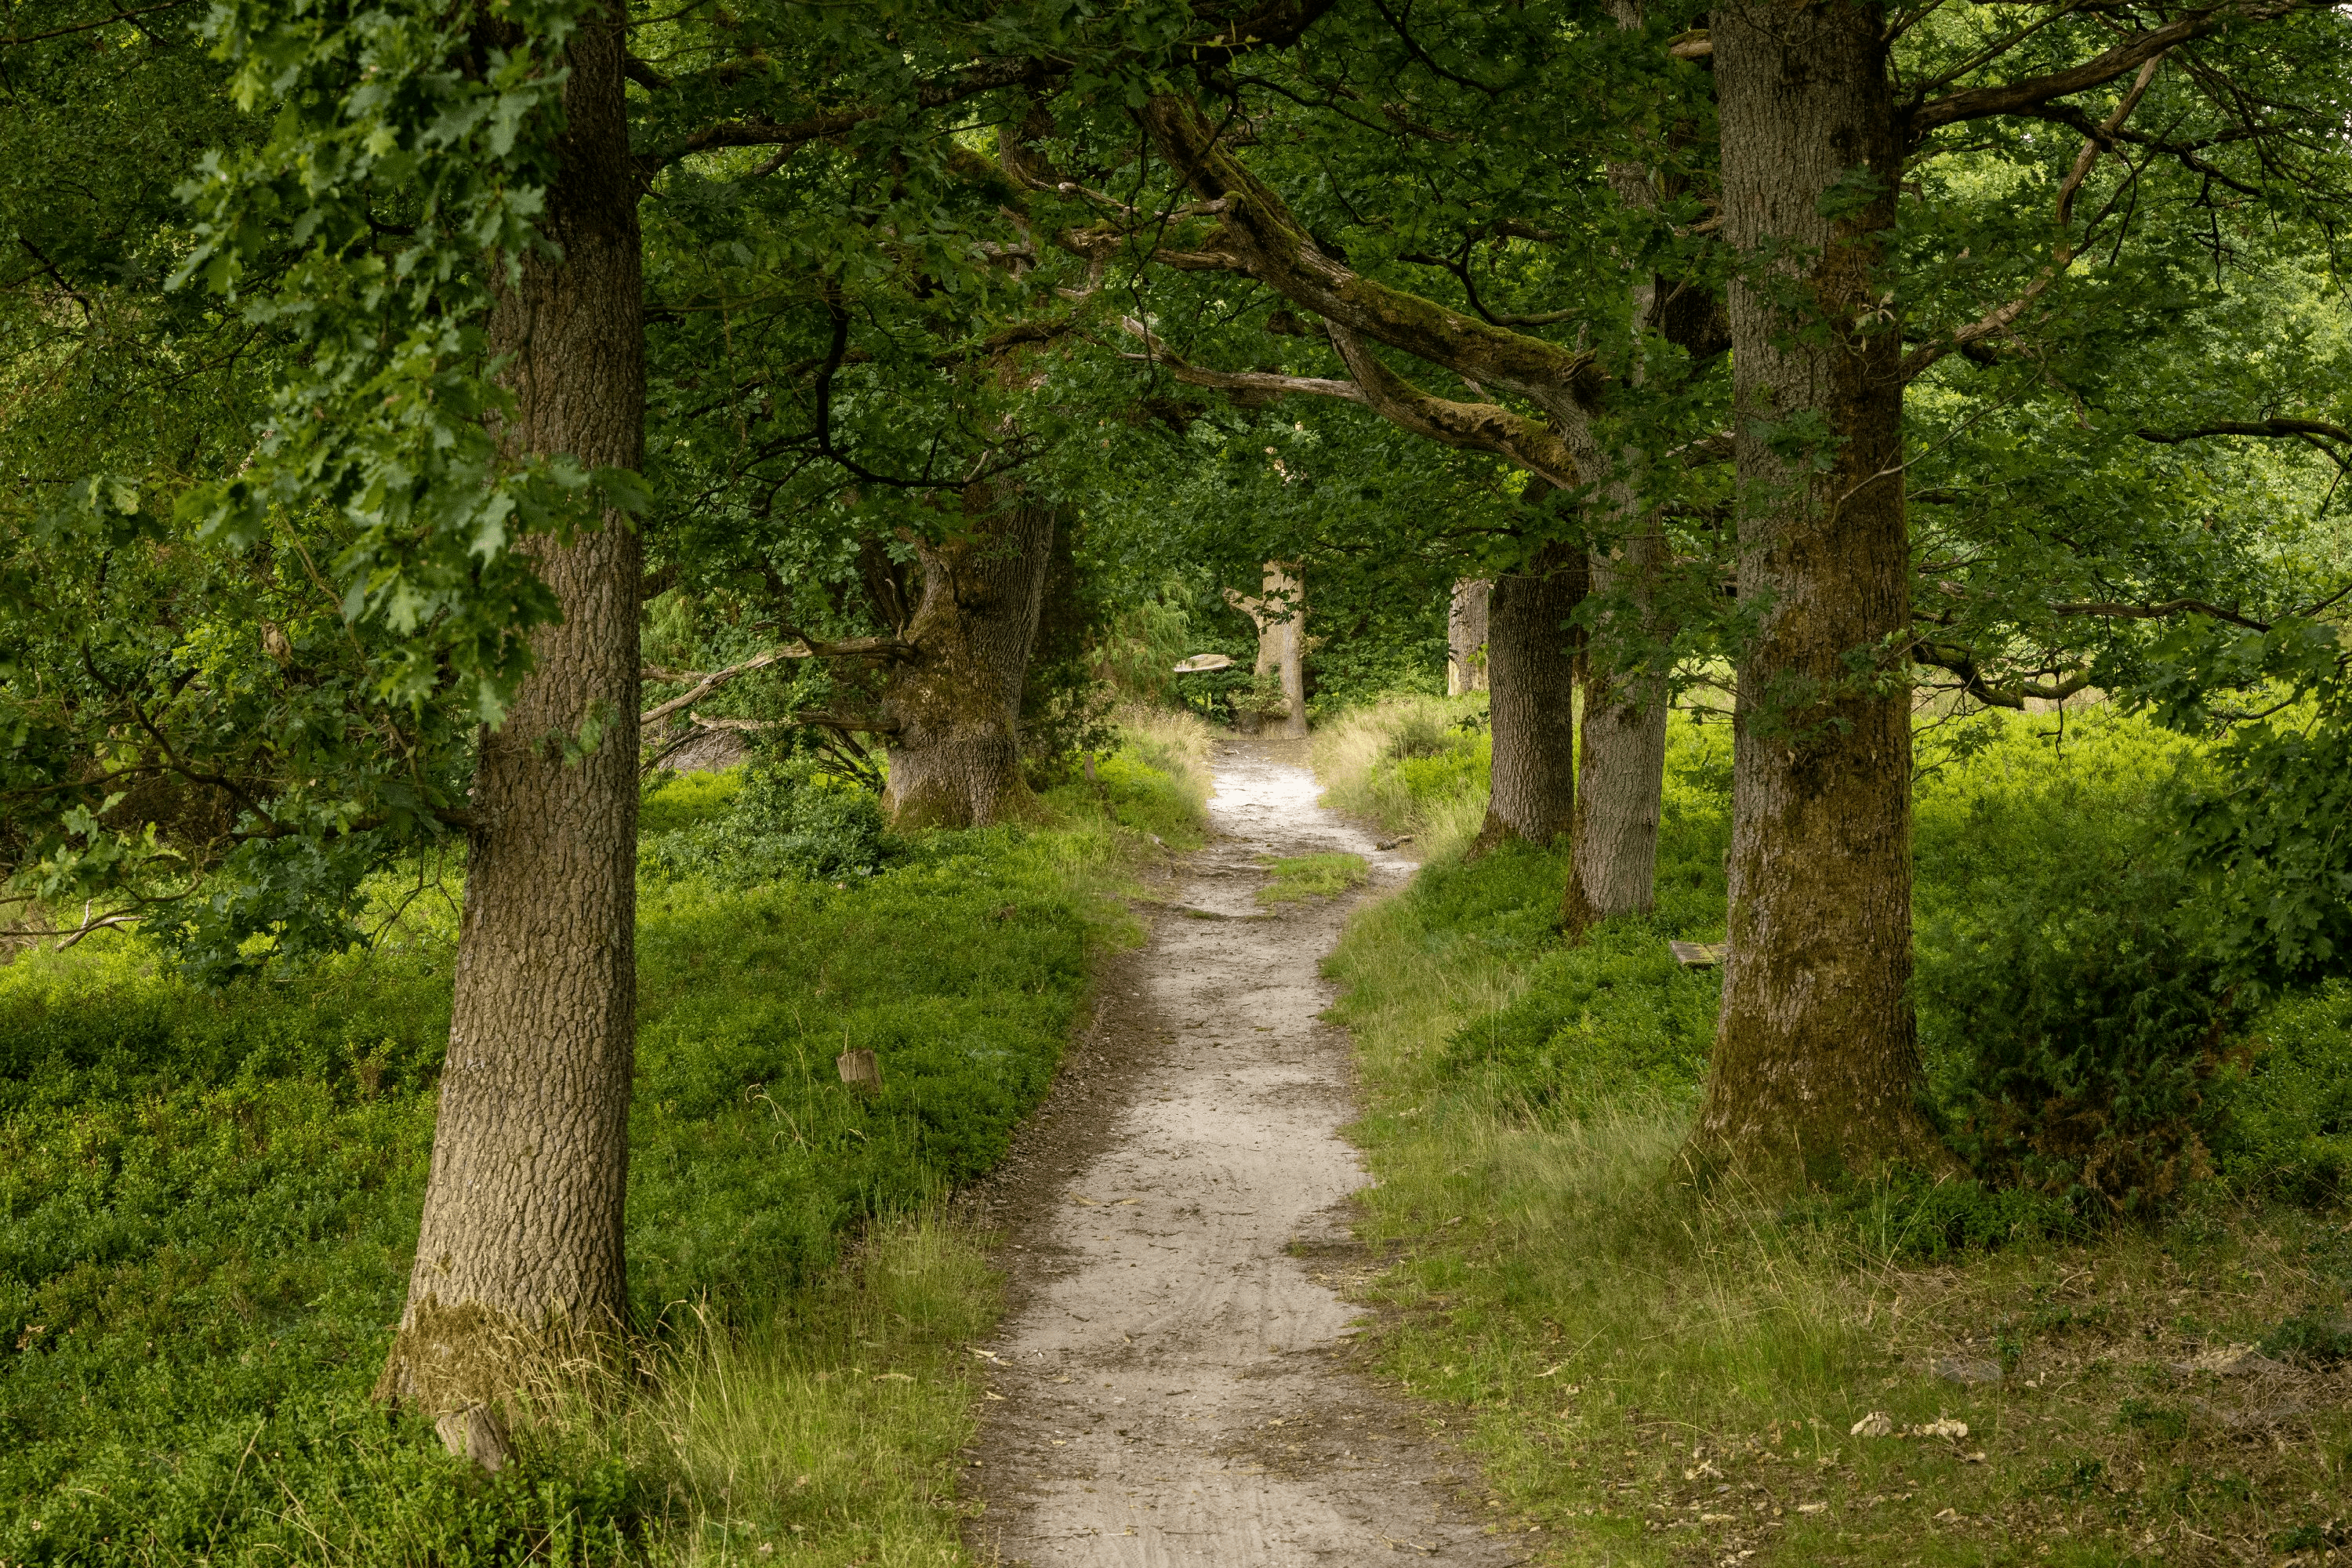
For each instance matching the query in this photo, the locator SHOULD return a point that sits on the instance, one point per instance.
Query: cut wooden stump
(859, 1070)
(1699, 955)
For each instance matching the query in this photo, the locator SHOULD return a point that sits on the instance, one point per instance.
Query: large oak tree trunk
(955, 754)
(1531, 675)
(1466, 636)
(518, 1260)
(1620, 766)
(1816, 1064)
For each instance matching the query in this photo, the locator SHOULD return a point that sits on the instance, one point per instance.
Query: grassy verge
(208, 1203)
(1651, 1376)
(1411, 765)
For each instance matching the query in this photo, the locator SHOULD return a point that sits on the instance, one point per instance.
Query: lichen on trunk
(1466, 636)
(518, 1266)
(953, 700)
(1816, 1068)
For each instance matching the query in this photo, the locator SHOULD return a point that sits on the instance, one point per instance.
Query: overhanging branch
(2023, 97)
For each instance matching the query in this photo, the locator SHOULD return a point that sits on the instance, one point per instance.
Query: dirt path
(1172, 1388)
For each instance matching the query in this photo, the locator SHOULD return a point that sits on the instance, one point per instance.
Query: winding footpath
(1172, 1389)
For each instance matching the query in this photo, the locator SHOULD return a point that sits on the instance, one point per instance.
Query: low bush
(787, 818)
(2286, 1128)
(2069, 997)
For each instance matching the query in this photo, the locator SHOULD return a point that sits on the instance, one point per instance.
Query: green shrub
(786, 819)
(2288, 1131)
(2068, 994)
(672, 800)
(1422, 731)
(1615, 1013)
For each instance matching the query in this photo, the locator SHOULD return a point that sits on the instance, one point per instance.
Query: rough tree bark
(954, 701)
(1531, 665)
(518, 1259)
(1621, 765)
(1279, 613)
(1816, 1064)
(1466, 636)
(1621, 782)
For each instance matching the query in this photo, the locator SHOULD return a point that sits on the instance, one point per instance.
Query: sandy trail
(1171, 1385)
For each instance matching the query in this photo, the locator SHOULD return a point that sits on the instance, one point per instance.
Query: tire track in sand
(1172, 1385)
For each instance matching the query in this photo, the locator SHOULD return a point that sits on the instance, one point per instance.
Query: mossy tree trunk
(953, 700)
(1816, 1064)
(518, 1260)
(1531, 684)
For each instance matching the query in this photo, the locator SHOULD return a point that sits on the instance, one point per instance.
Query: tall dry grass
(1410, 765)
(835, 1433)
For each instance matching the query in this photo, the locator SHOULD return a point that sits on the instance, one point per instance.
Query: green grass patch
(1296, 878)
(1648, 1376)
(1410, 765)
(208, 1204)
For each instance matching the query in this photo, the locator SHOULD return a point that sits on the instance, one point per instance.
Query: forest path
(1171, 1386)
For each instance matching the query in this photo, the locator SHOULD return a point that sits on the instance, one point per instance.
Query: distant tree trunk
(1279, 612)
(955, 753)
(1465, 637)
(1621, 768)
(1531, 671)
(518, 1260)
(1816, 1064)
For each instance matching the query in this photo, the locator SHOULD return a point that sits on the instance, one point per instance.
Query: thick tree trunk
(1621, 765)
(1816, 1064)
(518, 1260)
(1465, 637)
(1531, 671)
(955, 755)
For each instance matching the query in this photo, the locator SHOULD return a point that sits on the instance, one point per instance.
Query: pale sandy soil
(1175, 1380)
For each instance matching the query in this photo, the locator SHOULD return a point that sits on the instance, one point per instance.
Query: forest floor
(1175, 1382)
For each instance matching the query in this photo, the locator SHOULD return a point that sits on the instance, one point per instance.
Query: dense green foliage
(207, 1199)
(2083, 1041)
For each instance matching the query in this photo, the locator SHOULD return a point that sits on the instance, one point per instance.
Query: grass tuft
(1300, 876)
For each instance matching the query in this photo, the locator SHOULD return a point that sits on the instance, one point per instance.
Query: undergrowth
(208, 1201)
(1651, 1375)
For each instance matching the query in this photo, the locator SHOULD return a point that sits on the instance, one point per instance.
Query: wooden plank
(1698, 955)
